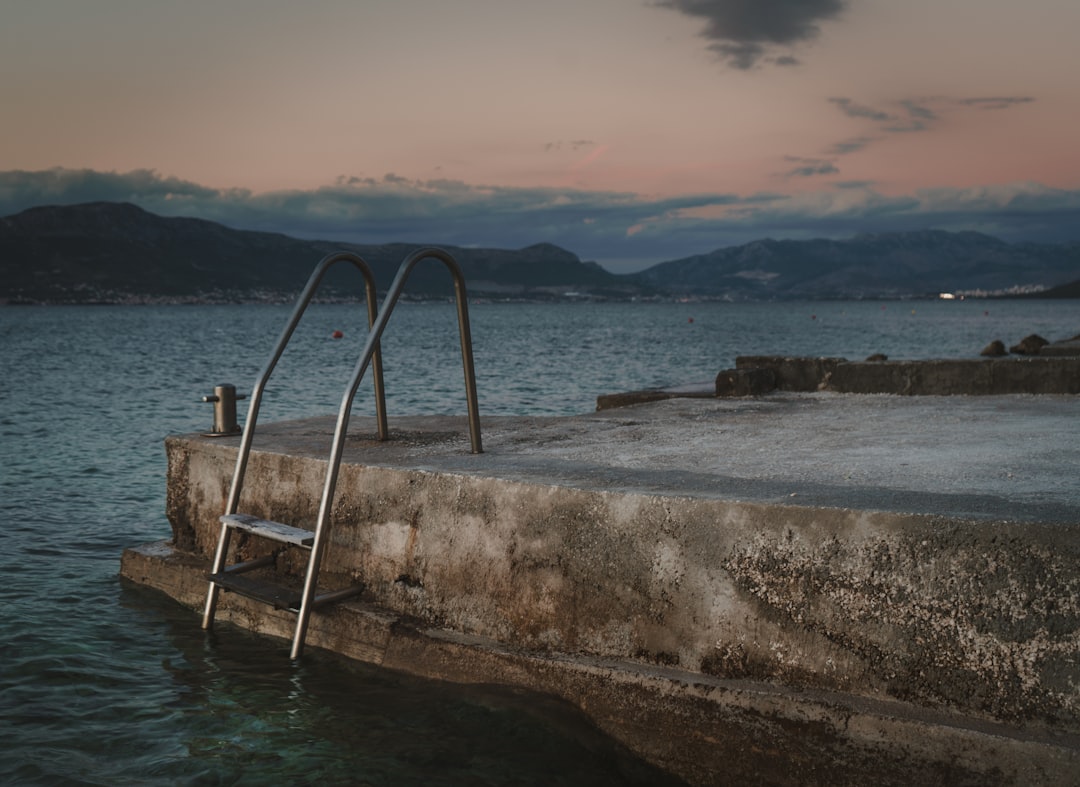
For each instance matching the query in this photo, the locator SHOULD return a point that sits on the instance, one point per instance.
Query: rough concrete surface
(903, 561)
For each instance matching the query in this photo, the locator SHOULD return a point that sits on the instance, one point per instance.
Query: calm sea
(102, 683)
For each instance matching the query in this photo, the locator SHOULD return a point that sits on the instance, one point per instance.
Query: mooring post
(224, 400)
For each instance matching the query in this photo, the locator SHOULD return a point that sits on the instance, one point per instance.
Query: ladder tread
(266, 528)
(278, 596)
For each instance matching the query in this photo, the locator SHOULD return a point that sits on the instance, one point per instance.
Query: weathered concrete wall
(980, 618)
(791, 373)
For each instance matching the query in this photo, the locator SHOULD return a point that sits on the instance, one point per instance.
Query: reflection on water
(254, 716)
(145, 696)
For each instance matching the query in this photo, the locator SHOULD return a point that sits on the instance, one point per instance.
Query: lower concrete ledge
(1054, 372)
(628, 398)
(701, 728)
(943, 377)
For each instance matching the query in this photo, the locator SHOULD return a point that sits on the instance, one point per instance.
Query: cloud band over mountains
(621, 230)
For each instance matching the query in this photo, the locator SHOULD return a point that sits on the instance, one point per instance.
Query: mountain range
(891, 265)
(107, 252)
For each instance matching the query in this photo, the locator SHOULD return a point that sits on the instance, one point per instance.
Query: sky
(629, 132)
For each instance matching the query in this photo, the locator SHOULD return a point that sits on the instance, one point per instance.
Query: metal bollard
(224, 399)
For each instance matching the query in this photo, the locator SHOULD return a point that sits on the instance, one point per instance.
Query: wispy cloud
(995, 102)
(852, 145)
(920, 114)
(619, 229)
(910, 115)
(914, 116)
(744, 33)
(853, 110)
(574, 144)
(808, 167)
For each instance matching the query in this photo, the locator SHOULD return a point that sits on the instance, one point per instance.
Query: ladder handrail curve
(375, 334)
(303, 301)
(371, 298)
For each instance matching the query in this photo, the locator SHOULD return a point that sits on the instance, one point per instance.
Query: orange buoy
(336, 335)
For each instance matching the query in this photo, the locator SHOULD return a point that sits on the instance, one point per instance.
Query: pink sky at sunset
(627, 131)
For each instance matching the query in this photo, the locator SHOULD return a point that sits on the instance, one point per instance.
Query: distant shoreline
(288, 298)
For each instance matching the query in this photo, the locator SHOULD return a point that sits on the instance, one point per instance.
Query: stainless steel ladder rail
(392, 295)
(315, 541)
(303, 301)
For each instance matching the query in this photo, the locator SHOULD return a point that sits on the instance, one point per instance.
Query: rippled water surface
(103, 683)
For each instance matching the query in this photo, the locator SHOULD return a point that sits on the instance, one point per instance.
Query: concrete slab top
(1012, 458)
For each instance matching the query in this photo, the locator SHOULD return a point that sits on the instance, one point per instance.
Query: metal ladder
(305, 602)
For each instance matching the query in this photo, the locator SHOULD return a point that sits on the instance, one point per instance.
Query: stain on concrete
(985, 623)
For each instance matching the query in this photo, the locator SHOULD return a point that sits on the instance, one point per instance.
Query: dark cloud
(614, 228)
(743, 32)
(742, 55)
(809, 167)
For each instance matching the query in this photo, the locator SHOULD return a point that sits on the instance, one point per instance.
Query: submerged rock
(995, 349)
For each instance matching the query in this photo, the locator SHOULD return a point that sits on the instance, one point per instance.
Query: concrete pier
(798, 588)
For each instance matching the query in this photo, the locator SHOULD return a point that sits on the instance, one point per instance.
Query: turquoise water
(103, 683)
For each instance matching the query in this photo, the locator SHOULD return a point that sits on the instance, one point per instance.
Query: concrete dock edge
(798, 588)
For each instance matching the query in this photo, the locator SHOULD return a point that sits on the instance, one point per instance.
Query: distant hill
(911, 264)
(117, 252)
(106, 252)
(1068, 290)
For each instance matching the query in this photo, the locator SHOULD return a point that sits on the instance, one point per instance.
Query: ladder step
(270, 593)
(275, 531)
(277, 596)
